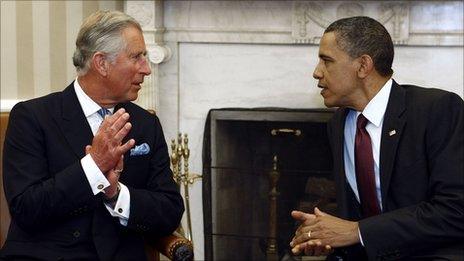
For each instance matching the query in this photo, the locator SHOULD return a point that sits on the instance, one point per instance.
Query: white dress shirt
(374, 113)
(96, 178)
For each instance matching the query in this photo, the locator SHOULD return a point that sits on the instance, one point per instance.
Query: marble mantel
(211, 54)
(422, 23)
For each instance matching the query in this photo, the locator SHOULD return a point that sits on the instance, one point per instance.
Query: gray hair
(363, 35)
(101, 32)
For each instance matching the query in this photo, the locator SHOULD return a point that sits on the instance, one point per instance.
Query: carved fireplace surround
(216, 54)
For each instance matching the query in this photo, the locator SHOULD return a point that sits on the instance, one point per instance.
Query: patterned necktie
(103, 112)
(364, 164)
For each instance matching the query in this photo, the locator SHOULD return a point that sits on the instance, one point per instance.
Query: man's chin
(133, 94)
(133, 97)
(329, 104)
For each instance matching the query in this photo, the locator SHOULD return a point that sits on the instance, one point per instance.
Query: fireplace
(258, 165)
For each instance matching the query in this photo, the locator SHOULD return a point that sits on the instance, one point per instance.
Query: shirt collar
(88, 106)
(375, 109)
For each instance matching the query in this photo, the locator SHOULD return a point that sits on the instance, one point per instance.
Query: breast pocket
(136, 170)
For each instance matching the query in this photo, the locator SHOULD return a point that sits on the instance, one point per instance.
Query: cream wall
(37, 44)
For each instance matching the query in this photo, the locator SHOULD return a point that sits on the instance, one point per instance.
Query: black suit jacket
(421, 177)
(54, 212)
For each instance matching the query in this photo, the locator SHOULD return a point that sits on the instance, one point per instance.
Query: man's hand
(323, 229)
(309, 247)
(112, 175)
(106, 149)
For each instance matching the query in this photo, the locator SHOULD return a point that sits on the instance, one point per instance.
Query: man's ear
(366, 65)
(100, 63)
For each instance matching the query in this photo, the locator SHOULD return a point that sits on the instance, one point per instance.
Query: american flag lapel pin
(391, 133)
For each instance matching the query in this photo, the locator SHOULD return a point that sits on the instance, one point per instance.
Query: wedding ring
(118, 170)
(309, 234)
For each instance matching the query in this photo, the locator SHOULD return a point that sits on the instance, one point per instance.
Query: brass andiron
(274, 175)
(180, 154)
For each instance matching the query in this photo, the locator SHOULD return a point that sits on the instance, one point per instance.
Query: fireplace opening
(259, 165)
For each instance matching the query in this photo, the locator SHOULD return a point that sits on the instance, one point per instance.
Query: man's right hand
(107, 147)
(112, 175)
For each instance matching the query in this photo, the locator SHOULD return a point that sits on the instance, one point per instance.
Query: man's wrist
(114, 198)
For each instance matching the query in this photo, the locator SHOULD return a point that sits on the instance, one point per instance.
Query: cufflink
(391, 133)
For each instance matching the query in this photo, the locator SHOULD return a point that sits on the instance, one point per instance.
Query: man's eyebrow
(144, 53)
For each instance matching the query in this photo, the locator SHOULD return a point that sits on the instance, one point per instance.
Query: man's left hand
(325, 230)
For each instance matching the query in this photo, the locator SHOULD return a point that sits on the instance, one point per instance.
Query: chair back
(4, 212)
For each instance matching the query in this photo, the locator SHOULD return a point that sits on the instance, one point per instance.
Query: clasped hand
(107, 149)
(320, 232)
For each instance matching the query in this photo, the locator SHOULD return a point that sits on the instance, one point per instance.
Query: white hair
(101, 32)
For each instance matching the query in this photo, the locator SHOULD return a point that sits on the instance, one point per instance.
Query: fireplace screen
(259, 165)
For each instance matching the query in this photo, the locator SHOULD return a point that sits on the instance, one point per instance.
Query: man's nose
(317, 73)
(145, 69)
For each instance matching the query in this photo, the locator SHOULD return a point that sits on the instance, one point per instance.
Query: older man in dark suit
(86, 172)
(398, 156)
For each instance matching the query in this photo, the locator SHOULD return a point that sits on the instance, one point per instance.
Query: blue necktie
(103, 112)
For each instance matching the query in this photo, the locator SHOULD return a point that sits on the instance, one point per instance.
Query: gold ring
(309, 234)
(118, 170)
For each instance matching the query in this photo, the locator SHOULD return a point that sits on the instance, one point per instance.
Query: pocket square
(141, 149)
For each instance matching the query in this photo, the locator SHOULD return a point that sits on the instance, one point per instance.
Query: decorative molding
(423, 23)
(349, 9)
(143, 12)
(150, 16)
(395, 17)
(149, 95)
(309, 20)
(158, 54)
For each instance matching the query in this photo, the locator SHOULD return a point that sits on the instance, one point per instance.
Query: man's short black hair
(363, 35)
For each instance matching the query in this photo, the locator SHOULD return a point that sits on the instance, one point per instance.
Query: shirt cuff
(97, 180)
(122, 208)
(360, 237)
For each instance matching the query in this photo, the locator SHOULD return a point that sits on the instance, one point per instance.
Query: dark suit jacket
(54, 212)
(421, 177)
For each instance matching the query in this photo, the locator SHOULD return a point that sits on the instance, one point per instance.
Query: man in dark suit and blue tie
(86, 172)
(398, 153)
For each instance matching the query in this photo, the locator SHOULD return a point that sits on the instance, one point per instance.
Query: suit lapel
(78, 134)
(391, 133)
(339, 166)
(73, 123)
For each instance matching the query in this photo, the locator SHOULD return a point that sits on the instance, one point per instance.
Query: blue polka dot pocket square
(141, 149)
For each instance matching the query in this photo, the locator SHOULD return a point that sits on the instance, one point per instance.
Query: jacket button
(77, 234)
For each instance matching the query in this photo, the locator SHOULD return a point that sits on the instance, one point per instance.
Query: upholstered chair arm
(175, 247)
